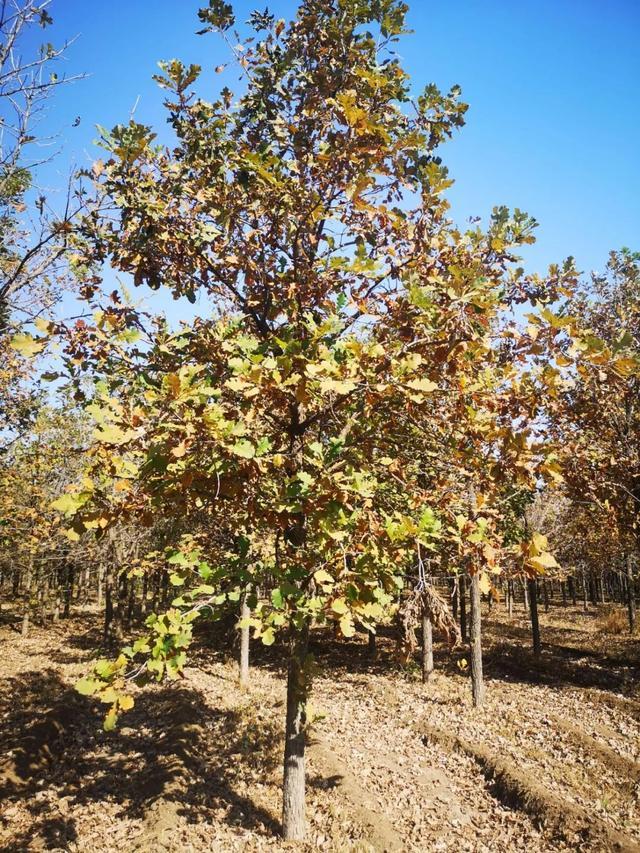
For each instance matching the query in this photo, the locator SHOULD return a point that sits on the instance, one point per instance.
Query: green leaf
(268, 637)
(103, 668)
(110, 720)
(86, 686)
(277, 599)
(70, 503)
(244, 449)
(204, 589)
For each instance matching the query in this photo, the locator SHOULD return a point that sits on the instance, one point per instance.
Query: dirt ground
(552, 762)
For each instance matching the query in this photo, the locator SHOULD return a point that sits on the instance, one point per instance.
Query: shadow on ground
(173, 747)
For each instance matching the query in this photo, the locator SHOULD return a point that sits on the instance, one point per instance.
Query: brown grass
(613, 620)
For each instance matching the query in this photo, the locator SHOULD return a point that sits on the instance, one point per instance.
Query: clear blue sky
(553, 88)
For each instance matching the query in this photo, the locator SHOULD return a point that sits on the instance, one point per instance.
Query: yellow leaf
(424, 385)
(347, 627)
(543, 561)
(43, 325)
(323, 578)
(485, 583)
(337, 386)
(339, 605)
(110, 720)
(26, 345)
(540, 542)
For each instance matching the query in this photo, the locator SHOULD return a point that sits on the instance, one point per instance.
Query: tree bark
(454, 598)
(427, 647)
(477, 679)
(631, 599)
(462, 601)
(26, 615)
(572, 590)
(293, 804)
(600, 588)
(68, 590)
(372, 650)
(533, 610)
(99, 591)
(113, 611)
(244, 643)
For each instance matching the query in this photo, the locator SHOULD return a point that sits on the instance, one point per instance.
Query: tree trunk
(510, 599)
(56, 603)
(585, 600)
(631, 599)
(525, 597)
(545, 592)
(571, 581)
(27, 604)
(372, 651)
(100, 590)
(477, 680)
(293, 801)
(144, 593)
(533, 610)
(462, 601)
(68, 591)
(112, 613)
(244, 643)
(454, 599)
(601, 588)
(427, 647)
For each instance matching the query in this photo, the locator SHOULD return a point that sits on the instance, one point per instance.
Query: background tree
(596, 421)
(34, 229)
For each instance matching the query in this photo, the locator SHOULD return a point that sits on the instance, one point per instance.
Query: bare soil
(551, 763)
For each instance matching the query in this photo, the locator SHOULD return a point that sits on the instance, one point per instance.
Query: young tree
(354, 334)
